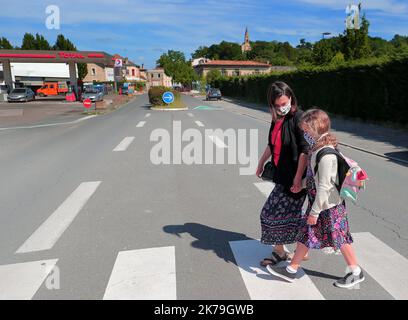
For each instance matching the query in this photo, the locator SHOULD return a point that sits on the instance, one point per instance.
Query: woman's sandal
(274, 259)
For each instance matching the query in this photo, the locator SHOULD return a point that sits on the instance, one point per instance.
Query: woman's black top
(293, 144)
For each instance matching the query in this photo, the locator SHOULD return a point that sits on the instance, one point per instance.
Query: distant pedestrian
(281, 214)
(327, 223)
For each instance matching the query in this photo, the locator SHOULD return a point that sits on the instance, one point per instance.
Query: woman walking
(281, 214)
(327, 224)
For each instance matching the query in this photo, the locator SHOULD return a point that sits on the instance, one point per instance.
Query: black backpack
(342, 165)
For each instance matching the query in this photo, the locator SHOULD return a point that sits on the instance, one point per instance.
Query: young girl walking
(327, 224)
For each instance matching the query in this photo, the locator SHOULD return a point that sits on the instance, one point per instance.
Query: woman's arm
(297, 181)
(265, 156)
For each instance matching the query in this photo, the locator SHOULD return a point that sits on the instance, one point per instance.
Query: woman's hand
(297, 185)
(259, 170)
(311, 220)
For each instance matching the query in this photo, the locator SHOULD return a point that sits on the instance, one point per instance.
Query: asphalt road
(117, 226)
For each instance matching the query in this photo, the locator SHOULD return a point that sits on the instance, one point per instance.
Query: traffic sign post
(168, 97)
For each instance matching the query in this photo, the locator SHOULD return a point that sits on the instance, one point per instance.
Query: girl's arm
(327, 172)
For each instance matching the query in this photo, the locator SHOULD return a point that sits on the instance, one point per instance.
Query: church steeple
(246, 46)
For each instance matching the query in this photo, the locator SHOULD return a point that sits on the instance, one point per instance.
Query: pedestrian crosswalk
(151, 273)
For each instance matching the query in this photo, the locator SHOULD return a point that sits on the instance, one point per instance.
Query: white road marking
(199, 123)
(261, 285)
(51, 230)
(50, 124)
(146, 274)
(190, 114)
(217, 141)
(22, 280)
(383, 263)
(124, 144)
(147, 115)
(265, 187)
(140, 124)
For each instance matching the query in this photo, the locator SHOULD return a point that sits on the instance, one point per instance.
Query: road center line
(140, 124)
(51, 230)
(148, 115)
(199, 123)
(124, 144)
(190, 114)
(217, 141)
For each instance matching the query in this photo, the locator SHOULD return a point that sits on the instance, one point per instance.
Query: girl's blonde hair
(318, 122)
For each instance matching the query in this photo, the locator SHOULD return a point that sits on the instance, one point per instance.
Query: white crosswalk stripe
(22, 280)
(263, 286)
(150, 274)
(146, 274)
(51, 230)
(265, 187)
(384, 264)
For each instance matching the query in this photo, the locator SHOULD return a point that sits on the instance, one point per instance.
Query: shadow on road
(208, 238)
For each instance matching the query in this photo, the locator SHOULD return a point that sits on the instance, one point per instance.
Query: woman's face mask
(286, 108)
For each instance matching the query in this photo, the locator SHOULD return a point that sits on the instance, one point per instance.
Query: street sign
(87, 103)
(168, 97)
(118, 63)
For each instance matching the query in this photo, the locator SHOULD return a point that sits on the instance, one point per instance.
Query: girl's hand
(311, 220)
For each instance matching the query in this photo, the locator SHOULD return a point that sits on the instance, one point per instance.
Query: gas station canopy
(57, 56)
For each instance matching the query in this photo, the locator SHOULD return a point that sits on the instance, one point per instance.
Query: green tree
(322, 52)
(65, 44)
(337, 59)
(41, 43)
(176, 66)
(201, 52)
(213, 75)
(355, 42)
(5, 44)
(29, 42)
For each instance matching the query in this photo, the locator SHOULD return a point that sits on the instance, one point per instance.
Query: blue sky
(143, 30)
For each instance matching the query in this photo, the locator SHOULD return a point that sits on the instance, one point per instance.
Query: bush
(376, 89)
(156, 93)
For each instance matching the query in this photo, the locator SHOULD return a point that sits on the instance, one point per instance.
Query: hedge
(155, 95)
(371, 91)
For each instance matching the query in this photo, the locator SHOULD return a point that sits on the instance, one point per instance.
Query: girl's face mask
(309, 139)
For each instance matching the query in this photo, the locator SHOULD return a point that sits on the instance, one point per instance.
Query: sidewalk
(383, 141)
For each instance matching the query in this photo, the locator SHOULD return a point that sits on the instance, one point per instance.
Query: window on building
(223, 72)
(93, 71)
(158, 75)
(133, 72)
(236, 72)
(257, 71)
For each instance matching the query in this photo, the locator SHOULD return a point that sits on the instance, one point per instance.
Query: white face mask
(286, 108)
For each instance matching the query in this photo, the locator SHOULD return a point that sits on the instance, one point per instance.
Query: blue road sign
(168, 97)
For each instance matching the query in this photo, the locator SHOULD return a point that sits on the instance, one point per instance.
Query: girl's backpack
(352, 178)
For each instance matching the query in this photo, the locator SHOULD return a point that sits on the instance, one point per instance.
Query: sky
(143, 30)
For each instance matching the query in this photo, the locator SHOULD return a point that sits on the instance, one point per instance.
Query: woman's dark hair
(277, 90)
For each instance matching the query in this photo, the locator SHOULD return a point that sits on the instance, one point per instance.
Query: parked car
(213, 94)
(94, 95)
(21, 94)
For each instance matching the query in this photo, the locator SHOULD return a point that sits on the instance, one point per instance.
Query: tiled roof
(235, 63)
